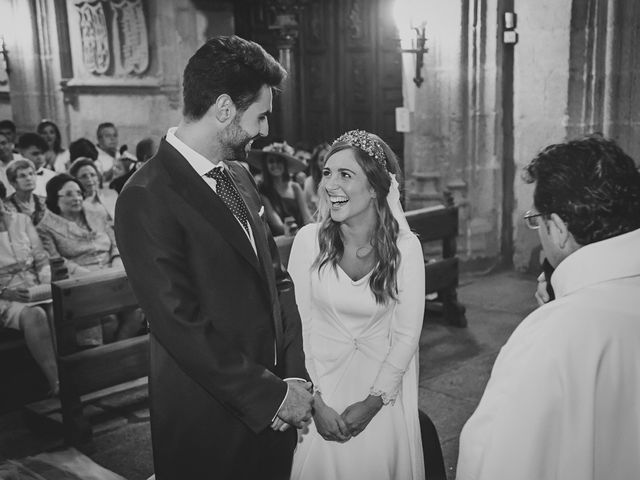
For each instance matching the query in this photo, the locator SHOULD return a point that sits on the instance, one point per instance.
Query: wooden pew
(87, 374)
(284, 243)
(440, 224)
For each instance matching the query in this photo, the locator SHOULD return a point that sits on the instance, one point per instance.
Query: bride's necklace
(364, 251)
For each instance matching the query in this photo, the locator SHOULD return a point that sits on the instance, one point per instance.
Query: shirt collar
(609, 259)
(197, 161)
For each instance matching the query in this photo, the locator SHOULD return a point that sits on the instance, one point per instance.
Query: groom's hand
(296, 409)
(280, 425)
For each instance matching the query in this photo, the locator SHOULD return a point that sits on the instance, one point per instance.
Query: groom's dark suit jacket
(217, 323)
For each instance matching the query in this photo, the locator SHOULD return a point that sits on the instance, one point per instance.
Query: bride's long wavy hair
(383, 281)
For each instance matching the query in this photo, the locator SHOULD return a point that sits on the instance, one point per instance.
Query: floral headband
(365, 142)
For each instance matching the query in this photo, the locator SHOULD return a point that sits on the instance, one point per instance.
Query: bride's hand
(358, 415)
(329, 424)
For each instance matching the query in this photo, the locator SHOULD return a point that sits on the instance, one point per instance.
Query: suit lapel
(195, 191)
(239, 176)
(253, 204)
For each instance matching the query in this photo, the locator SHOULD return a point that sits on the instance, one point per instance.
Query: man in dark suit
(201, 261)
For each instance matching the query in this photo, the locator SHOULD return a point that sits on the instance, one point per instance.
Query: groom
(201, 262)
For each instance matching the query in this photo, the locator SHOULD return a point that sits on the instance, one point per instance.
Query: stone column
(35, 61)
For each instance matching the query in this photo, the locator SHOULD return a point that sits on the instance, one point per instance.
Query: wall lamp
(420, 50)
(410, 16)
(5, 54)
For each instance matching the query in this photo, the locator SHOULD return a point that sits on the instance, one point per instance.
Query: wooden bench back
(80, 303)
(435, 223)
(438, 223)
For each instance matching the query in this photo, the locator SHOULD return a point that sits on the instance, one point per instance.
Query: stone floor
(455, 363)
(454, 367)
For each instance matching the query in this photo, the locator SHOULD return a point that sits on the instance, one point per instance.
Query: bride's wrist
(374, 402)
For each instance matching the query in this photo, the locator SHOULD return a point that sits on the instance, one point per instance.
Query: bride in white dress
(359, 283)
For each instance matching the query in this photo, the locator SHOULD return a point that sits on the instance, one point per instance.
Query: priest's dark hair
(591, 184)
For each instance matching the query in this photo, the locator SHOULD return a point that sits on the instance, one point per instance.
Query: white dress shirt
(43, 175)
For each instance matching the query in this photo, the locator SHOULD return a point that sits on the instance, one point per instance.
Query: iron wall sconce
(420, 50)
(5, 55)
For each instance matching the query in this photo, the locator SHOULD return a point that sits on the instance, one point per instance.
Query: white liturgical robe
(563, 400)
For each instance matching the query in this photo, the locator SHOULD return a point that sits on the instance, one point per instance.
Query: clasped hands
(19, 294)
(340, 428)
(300, 405)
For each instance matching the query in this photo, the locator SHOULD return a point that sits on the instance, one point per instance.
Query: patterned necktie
(226, 190)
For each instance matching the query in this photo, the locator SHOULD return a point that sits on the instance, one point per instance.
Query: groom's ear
(223, 109)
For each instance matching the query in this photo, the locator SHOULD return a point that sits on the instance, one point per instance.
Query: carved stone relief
(131, 28)
(316, 24)
(96, 54)
(317, 90)
(113, 36)
(356, 23)
(359, 79)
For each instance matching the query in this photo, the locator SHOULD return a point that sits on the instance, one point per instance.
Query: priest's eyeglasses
(532, 219)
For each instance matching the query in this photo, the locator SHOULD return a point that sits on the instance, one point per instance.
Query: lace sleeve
(406, 323)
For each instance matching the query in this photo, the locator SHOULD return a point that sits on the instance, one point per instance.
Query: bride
(359, 283)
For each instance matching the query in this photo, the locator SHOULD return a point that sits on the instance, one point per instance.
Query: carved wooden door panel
(347, 67)
(350, 70)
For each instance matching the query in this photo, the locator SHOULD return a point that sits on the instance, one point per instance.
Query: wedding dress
(354, 347)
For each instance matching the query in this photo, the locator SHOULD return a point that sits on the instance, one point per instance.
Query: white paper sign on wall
(403, 120)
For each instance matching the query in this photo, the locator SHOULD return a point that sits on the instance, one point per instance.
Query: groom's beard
(235, 142)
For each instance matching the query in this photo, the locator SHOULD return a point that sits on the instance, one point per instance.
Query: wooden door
(351, 75)
(348, 68)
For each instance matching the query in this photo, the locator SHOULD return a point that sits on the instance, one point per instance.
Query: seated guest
(282, 197)
(6, 156)
(57, 158)
(145, 149)
(83, 237)
(32, 147)
(107, 135)
(310, 189)
(562, 400)
(82, 148)
(23, 264)
(302, 152)
(22, 177)
(8, 129)
(123, 168)
(96, 199)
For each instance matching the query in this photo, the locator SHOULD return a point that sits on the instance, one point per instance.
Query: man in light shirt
(562, 400)
(107, 135)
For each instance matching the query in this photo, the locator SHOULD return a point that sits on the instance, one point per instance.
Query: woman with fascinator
(281, 195)
(359, 285)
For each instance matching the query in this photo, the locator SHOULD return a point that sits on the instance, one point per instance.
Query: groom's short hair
(231, 65)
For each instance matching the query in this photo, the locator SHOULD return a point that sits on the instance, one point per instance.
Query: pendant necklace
(364, 251)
